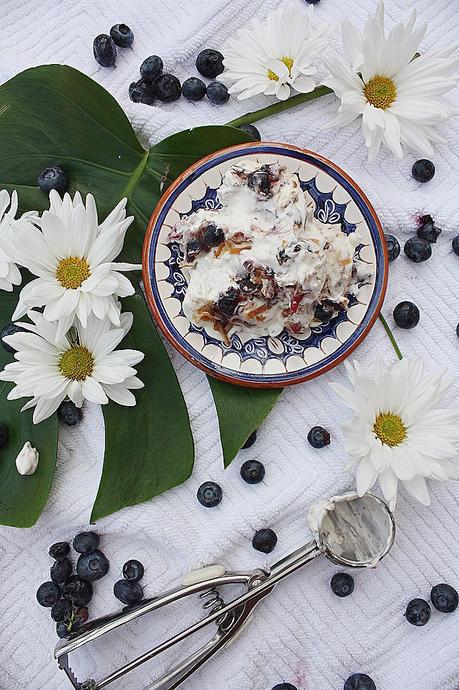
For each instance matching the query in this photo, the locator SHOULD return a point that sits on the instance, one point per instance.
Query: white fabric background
(303, 634)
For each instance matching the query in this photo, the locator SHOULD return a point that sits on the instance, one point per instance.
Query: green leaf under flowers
(22, 499)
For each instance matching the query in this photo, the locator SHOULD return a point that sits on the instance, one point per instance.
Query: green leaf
(149, 447)
(22, 499)
(240, 411)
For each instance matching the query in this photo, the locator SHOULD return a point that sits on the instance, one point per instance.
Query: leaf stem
(280, 106)
(388, 330)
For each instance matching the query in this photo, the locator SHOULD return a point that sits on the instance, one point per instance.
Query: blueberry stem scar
(391, 336)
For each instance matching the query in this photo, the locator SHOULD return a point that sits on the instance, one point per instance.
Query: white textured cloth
(302, 634)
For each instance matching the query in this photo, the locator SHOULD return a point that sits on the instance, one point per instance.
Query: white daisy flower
(398, 97)
(397, 432)
(80, 365)
(275, 56)
(9, 272)
(73, 257)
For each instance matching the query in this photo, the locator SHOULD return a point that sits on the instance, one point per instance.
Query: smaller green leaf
(240, 411)
(148, 448)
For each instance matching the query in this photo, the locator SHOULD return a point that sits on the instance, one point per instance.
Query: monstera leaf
(56, 115)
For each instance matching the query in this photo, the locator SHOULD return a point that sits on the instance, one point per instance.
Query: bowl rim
(152, 302)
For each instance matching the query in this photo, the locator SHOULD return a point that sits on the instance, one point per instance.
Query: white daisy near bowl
(83, 364)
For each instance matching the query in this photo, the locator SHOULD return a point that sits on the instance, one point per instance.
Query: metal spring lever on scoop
(351, 530)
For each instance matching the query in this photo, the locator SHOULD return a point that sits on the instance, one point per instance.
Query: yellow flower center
(390, 429)
(272, 75)
(72, 272)
(380, 92)
(77, 363)
(288, 62)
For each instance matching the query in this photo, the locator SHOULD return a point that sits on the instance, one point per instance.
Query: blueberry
(423, 170)
(457, 330)
(418, 612)
(48, 593)
(259, 182)
(342, 584)
(133, 570)
(53, 177)
(359, 681)
(251, 440)
(444, 598)
(264, 540)
(151, 68)
(86, 541)
(417, 249)
(209, 63)
(92, 566)
(77, 590)
(217, 93)
(209, 494)
(393, 247)
(62, 630)
(318, 437)
(59, 550)
(104, 50)
(454, 244)
(61, 571)
(122, 35)
(142, 91)
(324, 312)
(61, 610)
(194, 89)
(193, 248)
(69, 413)
(228, 302)
(82, 614)
(428, 231)
(128, 592)
(168, 88)
(406, 315)
(10, 329)
(284, 686)
(4, 435)
(251, 130)
(252, 472)
(213, 236)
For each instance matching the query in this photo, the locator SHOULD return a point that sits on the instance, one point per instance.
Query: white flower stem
(391, 336)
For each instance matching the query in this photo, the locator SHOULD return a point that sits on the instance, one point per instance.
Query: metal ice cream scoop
(352, 531)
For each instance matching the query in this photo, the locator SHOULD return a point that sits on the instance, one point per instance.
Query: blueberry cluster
(104, 46)
(443, 597)
(128, 590)
(67, 594)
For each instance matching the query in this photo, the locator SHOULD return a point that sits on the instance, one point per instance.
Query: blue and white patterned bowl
(264, 361)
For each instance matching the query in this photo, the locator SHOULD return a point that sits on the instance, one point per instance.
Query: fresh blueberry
(59, 550)
(86, 541)
(69, 413)
(62, 630)
(53, 177)
(228, 302)
(142, 91)
(393, 247)
(128, 592)
(48, 593)
(418, 612)
(4, 435)
(423, 170)
(264, 540)
(194, 89)
(457, 330)
(406, 315)
(61, 610)
(259, 182)
(82, 614)
(61, 571)
(284, 686)
(342, 584)
(251, 130)
(151, 68)
(318, 437)
(104, 50)
(252, 472)
(209, 63)
(209, 494)
(92, 566)
(417, 249)
(251, 440)
(359, 681)
(10, 329)
(217, 93)
(455, 245)
(324, 312)
(444, 598)
(122, 35)
(428, 231)
(133, 570)
(168, 88)
(77, 590)
(213, 236)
